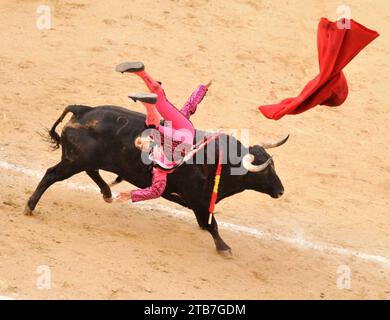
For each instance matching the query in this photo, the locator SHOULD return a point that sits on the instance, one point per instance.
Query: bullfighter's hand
(123, 196)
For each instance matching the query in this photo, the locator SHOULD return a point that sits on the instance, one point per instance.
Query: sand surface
(335, 168)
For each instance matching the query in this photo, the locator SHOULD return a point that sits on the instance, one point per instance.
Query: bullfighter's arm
(157, 188)
(159, 181)
(196, 97)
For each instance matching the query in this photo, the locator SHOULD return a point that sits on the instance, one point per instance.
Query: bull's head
(261, 174)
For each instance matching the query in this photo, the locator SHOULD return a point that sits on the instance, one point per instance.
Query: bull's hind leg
(59, 172)
(117, 180)
(104, 187)
(202, 216)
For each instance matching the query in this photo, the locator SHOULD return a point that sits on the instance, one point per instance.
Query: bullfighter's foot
(135, 66)
(144, 97)
(28, 211)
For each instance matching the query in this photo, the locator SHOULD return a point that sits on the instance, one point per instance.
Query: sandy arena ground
(335, 168)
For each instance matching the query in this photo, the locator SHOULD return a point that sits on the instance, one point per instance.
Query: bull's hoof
(223, 249)
(227, 254)
(28, 211)
(108, 200)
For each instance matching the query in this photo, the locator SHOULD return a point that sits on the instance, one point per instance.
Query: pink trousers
(181, 128)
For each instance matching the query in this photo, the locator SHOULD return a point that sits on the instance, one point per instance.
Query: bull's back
(102, 135)
(107, 122)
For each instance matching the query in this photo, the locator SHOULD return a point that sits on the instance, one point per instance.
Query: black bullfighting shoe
(144, 97)
(130, 67)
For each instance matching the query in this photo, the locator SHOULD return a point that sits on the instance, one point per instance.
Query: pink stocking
(178, 121)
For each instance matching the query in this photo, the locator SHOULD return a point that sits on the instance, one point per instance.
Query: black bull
(103, 138)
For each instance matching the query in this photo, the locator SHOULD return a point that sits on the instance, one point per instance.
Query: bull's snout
(278, 195)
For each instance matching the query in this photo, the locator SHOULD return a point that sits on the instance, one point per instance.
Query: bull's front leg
(202, 216)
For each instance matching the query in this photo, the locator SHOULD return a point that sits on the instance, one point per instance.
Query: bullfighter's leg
(148, 100)
(138, 68)
(202, 216)
(104, 187)
(152, 116)
(59, 172)
(181, 128)
(154, 86)
(167, 111)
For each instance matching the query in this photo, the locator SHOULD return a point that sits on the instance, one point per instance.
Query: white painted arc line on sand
(186, 215)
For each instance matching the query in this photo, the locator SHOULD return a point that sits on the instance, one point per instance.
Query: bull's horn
(247, 163)
(268, 145)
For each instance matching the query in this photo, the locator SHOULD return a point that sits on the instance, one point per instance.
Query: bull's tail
(77, 110)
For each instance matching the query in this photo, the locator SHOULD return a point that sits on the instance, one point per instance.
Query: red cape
(336, 48)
